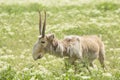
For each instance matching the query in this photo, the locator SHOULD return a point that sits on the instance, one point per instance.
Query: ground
(19, 32)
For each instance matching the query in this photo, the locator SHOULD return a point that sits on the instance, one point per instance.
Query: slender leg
(102, 59)
(92, 65)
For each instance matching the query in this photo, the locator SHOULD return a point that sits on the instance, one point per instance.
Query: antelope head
(43, 42)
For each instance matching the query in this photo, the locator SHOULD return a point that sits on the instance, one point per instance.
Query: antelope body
(75, 47)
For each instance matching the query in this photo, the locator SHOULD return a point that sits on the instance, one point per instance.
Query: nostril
(39, 56)
(42, 41)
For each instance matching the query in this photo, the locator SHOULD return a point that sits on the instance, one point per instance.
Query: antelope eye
(42, 41)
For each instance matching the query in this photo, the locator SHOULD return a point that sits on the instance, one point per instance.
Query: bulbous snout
(37, 56)
(38, 51)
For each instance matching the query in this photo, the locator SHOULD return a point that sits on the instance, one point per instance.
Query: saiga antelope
(75, 47)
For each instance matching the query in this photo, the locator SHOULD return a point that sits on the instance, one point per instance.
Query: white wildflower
(22, 56)
(9, 51)
(64, 74)
(33, 78)
(20, 40)
(111, 49)
(50, 56)
(27, 41)
(11, 33)
(8, 28)
(25, 69)
(4, 48)
(107, 62)
(118, 10)
(85, 77)
(7, 56)
(70, 70)
(1, 51)
(107, 74)
(57, 78)
(2, 64)
(77, 75)
(3, 14)
(5, 67)
(118, 58)
(44, 58)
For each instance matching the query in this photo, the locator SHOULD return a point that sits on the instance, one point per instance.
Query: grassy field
(19, 31)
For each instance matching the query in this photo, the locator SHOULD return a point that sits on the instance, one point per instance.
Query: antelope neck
(55, 45)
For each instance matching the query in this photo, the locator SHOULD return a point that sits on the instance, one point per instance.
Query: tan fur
(83, 48)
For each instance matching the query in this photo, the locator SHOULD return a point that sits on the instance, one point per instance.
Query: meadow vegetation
(19, 32)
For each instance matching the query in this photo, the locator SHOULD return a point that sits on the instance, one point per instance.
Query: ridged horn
(44, 25)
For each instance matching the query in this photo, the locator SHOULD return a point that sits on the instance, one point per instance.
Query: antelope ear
(51, 37)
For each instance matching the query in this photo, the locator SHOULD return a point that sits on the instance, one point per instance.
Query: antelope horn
(40, 23)
(44, 25)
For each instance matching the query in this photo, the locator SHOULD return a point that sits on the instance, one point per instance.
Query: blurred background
(19, 32)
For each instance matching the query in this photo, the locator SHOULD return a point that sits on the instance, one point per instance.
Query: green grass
(19, 31)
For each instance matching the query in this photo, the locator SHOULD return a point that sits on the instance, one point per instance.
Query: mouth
(40, 56)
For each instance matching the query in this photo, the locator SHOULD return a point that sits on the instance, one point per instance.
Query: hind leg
(102, 63)
(91, 64)
(92, 58)
(102, 58)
